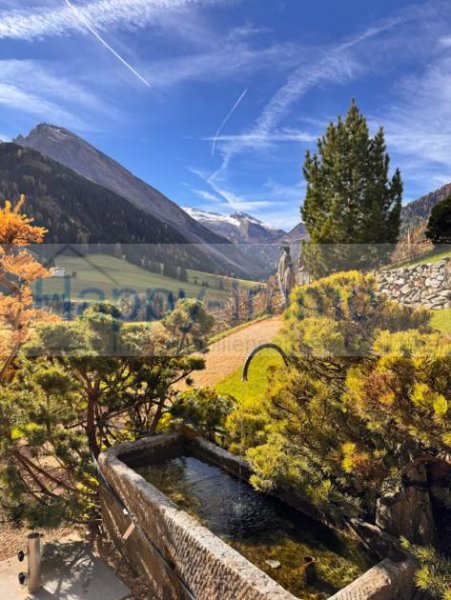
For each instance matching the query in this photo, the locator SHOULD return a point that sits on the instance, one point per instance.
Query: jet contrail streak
(223, 124)
(88, 25)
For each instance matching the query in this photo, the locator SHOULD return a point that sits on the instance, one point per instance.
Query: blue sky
(214, 102)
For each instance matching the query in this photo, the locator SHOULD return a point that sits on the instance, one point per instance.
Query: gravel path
(227, 355)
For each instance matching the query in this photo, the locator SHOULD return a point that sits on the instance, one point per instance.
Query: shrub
(366, 394)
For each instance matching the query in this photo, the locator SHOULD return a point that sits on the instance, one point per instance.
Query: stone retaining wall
(180, 559)
(427, 285)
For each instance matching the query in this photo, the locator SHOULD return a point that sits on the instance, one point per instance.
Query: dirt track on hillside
(229, 354)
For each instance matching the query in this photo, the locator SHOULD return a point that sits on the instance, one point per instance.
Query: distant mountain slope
(77, 154)
(295, 235)
(76, 210)
(238, 227)
(417, 212)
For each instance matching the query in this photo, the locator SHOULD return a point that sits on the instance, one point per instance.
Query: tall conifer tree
(352, 209)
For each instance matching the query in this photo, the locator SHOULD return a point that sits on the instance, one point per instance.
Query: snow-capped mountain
(238, 227)
(259, 241)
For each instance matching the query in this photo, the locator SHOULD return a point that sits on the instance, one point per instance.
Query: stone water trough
(179, 555)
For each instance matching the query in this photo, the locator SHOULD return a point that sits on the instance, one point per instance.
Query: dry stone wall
(427, 285)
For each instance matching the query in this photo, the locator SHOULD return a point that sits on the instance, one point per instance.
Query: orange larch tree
(18, 270)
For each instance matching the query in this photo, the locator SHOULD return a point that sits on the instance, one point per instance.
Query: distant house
(58, 272)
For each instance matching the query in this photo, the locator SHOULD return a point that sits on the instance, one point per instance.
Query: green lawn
(252, 391)
(441, 319)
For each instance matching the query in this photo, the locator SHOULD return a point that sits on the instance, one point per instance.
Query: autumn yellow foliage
(18, 270)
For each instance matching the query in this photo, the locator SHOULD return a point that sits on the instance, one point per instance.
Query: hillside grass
(221, 281)
(103, 277)
(430, 258)
(441, 320)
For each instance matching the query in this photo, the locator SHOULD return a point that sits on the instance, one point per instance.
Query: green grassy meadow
(220, 281)
(103, 277)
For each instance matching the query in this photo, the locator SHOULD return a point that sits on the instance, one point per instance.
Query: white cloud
(279, 208)
(224, 58)
(418, 127)
(105, 14)
(227, 119)
(445, 42)
(208, 196)
(282, 217)
(38, 89)
(49, 80)
(291, 194)
(84, 21)
(14, 97)
(235, 202)
(262, 140)
(335, 65)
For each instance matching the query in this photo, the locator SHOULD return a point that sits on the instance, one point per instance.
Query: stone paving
(70, 571)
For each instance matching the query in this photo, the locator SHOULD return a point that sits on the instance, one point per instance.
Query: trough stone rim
(110, 460)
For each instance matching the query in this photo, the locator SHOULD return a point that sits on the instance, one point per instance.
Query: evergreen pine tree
(351, 210)
(439, 225)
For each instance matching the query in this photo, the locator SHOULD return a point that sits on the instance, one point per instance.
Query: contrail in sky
(223, 124)
(88, 25)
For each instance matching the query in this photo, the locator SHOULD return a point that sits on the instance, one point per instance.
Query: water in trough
(263, 529)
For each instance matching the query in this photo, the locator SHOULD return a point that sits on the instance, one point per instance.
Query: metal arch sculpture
(255, 351)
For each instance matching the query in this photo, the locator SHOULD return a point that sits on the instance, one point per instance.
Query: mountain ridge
(80, 156)
(260, 242)
(416, 213)
(76, 210)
